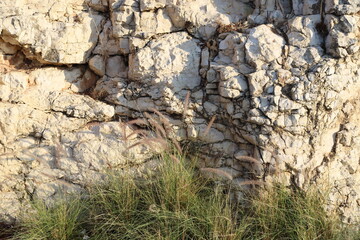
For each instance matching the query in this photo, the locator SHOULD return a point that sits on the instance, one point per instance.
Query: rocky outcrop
(276, 80)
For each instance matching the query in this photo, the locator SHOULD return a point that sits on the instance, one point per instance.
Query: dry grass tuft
(208, 127)
(217, 172)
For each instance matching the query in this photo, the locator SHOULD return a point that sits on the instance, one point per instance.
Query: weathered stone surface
(340, 7)
(232, 83)
(342, 39)
(303, 31)
(263, 46)
(51, 31)
(115, 67)
(98, 5)
(131, 16)
(97, 64)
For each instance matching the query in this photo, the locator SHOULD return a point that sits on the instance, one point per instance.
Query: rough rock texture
(278, 80)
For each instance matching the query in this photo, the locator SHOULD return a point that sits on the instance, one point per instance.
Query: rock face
(276, 80)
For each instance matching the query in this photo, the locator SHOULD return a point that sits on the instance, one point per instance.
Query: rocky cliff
(278, 79)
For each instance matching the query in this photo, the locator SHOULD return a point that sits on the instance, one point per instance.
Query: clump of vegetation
(283, 213)
(61, 221)
(177, 203)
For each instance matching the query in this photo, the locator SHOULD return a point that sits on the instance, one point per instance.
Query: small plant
(178, 203)
(61, 221)
(175, 204)
(282, 213)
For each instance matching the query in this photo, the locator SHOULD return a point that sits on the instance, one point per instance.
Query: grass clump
(61, 221)
(177, 203)
(281, 213)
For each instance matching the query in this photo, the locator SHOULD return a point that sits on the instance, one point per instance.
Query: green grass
(61, 221)
(281, 213)
(177, 203)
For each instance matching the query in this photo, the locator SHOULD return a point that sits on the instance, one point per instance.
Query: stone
(7, 48)
(169, 67)
(116, 67)
(123, 17)
(218, 12)
(98, 5)
(81, 107)
(301, 57)
(152, 23)
(257, 81)
(233, 87)
(198, 132)
(210, 108)
(10, 207)
(86, 82)
(263, 46)
(97, 65)
(311, 7)
(146, 5)
(340, 7)
(68, 40)
(341, 40)
(303, 31)
(12, 85)
(232, 84)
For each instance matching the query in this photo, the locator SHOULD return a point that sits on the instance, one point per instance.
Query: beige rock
(263, 46)
(115, 67)
(70, 36)
(303, 32)
(97, 64)
(146, 5)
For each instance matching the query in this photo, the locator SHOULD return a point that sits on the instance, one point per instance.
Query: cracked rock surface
(278, 80)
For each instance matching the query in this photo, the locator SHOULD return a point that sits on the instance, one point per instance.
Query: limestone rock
(98, 5)
(146, 5)
(232, 84)
(81, 107)
(340, 7)
(303, 31)
(115, 67)
(257, 82)
(342, 38)
(263, 46)
(67, 35)
(97, 64)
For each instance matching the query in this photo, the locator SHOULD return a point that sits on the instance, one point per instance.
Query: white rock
(97, 64)
(233, 87)
(67, 40)
(257, 81)
(98, 5)
(10, 207)
(12, 85)
(146, 5)
(7, 48)
(172, 60)
(342, 7)
(81, 107)
(341, 40)
(216, 12)
(263, 46)
(115, 67)
(303, 31)
(302, 57)
(123, 17)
